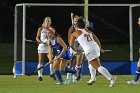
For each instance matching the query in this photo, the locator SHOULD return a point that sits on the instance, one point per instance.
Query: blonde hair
(76, 16)
(49, 18)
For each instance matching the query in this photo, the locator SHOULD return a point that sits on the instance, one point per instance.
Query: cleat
(74, 81)
(112, 81)
(59, 83)
(15, 76)
(53, 77)
(67, 82)
(91, 82)
(132, 82)
(40, 78)
(78, 78)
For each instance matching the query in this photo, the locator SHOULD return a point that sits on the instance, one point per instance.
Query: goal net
(111, 23)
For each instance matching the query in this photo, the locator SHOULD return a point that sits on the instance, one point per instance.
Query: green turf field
(30, 84)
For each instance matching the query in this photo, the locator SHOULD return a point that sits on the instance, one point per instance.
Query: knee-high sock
(69, 70)
(40, 71)
(59, 76)
(92, 71)
(137, 75)
(51, 69)
(105, 72)
(68, 76)
(73, 77)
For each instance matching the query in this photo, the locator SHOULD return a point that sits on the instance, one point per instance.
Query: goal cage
(114, 24)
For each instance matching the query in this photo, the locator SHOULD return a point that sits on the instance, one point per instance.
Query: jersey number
(88, 37)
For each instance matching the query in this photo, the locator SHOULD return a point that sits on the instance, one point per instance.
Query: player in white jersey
(78, 58)
(137, 74)
(91, 49)
(43, 50)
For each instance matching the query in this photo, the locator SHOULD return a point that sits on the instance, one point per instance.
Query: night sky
(101, 18)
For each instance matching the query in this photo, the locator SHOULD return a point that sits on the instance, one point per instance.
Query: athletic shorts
(92, 55)
(66, 55)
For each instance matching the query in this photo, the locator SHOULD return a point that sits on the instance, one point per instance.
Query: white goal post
(24, 5)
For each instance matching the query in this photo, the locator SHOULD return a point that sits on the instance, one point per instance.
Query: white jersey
(43, 35)
(87, 42)
(43, 48)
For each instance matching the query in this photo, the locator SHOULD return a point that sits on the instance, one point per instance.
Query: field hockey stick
(72, 22)
(107, 50)
(31, 41)
(29, 74)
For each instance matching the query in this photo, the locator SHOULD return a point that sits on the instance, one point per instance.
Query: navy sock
(137, 74)
(59, 76)
(69, 70)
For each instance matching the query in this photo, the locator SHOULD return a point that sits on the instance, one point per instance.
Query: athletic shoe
(132, 82)
(40, 78)
(53, 77)
(74, 81)
(67, 82)
(91, 81)
(78, 78)
(59, 83)
(112, 81)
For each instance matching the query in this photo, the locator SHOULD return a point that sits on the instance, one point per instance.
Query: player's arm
(62, 43)
(38, 35)
(69, 33)
(72, 38)
(98, 42)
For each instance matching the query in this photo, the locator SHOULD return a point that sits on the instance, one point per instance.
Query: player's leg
(68, 75)
(136, 78)
(73, 67)
(40, 64)
(79, 59)
(96, 64)
(50, 57)
(137, 75)
(57, 71)
(65, 68)
(70, 65)
(93, 75)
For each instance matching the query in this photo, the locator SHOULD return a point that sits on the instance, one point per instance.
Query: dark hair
(57, 34)
(80, 22)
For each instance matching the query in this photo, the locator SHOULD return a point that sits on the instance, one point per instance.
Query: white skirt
(43, 48)
(93, 54)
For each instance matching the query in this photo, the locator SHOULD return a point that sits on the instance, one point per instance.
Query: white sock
(77, 67)
(51, 69)
(73, 77)
(69, 76)
(92, 71)
(40, 71)
(105, 72)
